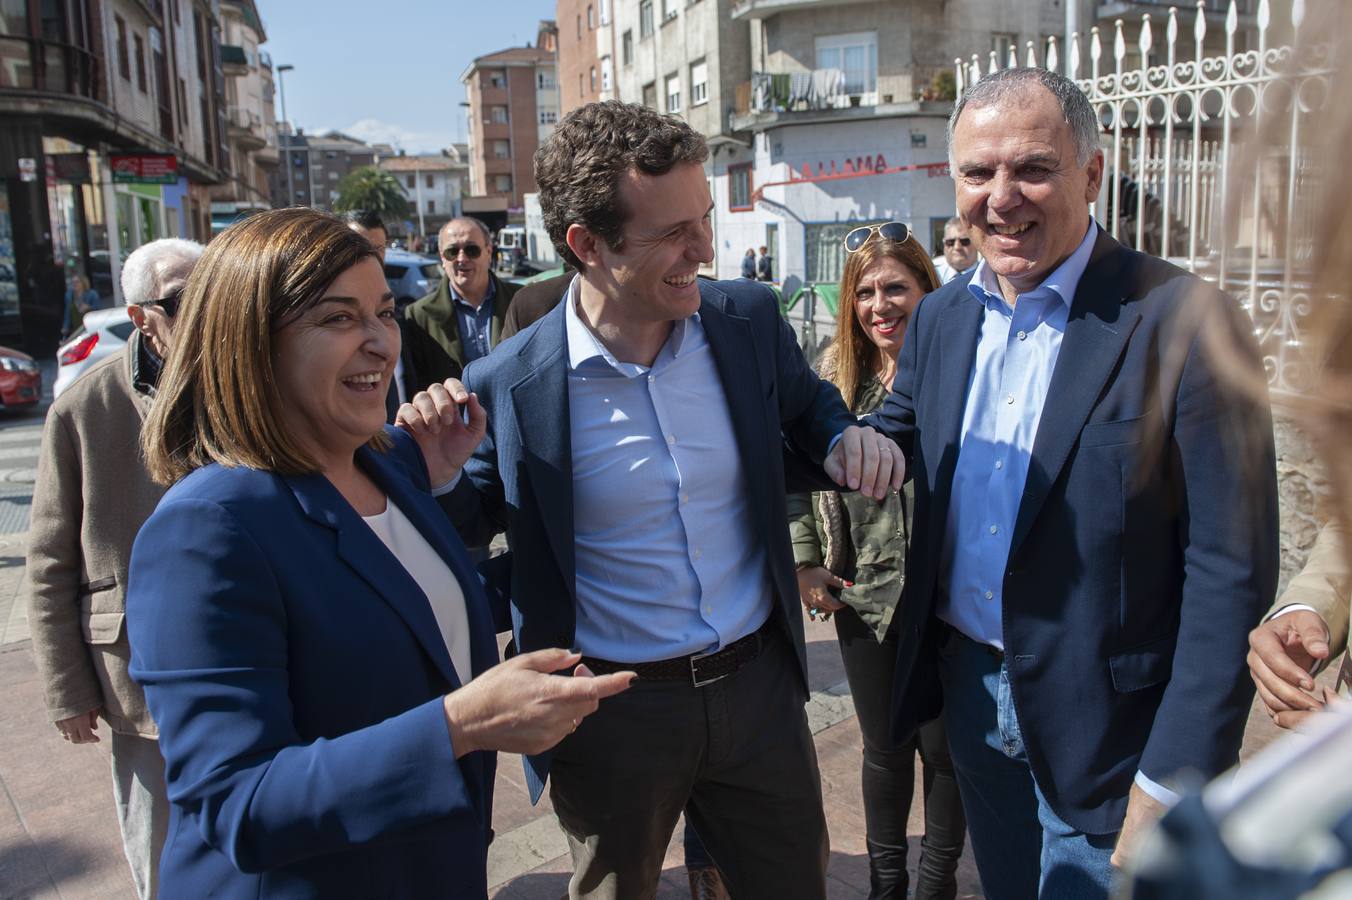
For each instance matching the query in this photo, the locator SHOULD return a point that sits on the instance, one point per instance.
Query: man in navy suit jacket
(635, 453)
(1095, 522)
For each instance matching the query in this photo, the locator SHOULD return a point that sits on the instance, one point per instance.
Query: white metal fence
(1185, 178)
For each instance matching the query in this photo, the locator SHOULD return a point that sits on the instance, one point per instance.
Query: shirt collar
(584, 346)
(469, 307)
(1063, 280)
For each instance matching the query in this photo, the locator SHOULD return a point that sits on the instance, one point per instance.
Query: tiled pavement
(59, 838)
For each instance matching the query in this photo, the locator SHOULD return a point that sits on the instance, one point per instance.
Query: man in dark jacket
(466, 311)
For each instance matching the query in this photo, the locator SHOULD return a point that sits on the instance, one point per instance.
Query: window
(606, 73)
(497, 79)
(431, 207)
(499, 115)
(668, 10)
(548, 117)
(579, 27)
(544, 81)
(673, 83)
(333, 176)
(592, 79)
(739, 187)
(605, 12)
(645, 18)
(428, 182)
(502, 183)
(1001, 44)
(699, 83)
(627, 48)
(123, 61)
(330, 154)
(140, 46)
(502, 150)
(650, 95)
(412, 181)
(825, 251)
(591, 18)
(854, 54)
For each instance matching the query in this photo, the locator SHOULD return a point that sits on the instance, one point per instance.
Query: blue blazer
(1145, 546)
(521, 477)
(296, 673)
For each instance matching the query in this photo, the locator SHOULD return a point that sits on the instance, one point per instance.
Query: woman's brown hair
(849, 357)
(217, 399)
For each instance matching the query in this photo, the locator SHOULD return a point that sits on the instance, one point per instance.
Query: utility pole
(290, 164)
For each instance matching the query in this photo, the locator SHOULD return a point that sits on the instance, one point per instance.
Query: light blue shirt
(1015, 357)
(666, 558)
(476, 323)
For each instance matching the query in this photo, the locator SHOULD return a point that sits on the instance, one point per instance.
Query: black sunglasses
(169, 304)
(949, 242)
(471, 250)
(891, 231)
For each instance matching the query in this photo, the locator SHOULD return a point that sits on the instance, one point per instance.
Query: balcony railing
(47, 66)
(817, 89)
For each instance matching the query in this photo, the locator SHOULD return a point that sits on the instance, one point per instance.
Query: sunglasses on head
(891, 231)
(169, 304)
(453, 250)
(949, 242)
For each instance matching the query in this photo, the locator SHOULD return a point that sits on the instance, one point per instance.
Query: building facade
(513, 103)
(432, 185)
(112, 131)
(250, 119)
(580, 51)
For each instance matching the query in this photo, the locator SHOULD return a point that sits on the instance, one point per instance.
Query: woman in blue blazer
(314, 643)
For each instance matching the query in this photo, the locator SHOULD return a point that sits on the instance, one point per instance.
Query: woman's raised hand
(446, 436)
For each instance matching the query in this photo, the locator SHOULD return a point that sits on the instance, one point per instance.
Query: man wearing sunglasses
(959, 252)
(90, 499)
(466, 311)
(1101, 528)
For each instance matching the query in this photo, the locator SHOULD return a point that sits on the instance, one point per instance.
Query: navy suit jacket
(296, 672)
(1145, 545)
(521, 476)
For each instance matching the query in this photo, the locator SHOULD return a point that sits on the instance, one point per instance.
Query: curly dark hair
(579, 167)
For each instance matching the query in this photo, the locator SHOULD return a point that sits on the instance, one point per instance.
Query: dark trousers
(736, 756)
(889, 774)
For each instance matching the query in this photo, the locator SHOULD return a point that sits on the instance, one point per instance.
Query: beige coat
(91, 497)
(1326, 585)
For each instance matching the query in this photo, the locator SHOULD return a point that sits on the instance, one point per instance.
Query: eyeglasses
(890, 231)
(169, 304)
(471, 250)
(949, 242)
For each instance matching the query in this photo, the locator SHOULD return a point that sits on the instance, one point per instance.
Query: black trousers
(736, 755)
(889, 774)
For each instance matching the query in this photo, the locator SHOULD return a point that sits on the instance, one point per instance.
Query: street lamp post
(290, 164)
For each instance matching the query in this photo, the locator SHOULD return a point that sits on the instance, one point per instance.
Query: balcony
(818, 96)
(246, 128)
(764, 9)
(234, 60)
(1110, 10)
(46, 66)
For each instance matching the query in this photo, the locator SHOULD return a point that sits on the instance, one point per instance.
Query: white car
(104, 332)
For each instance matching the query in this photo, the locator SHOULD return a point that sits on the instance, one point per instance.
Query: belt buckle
(694, 670)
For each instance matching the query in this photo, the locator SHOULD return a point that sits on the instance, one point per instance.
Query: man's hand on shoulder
(865, 461)
(1283, 651)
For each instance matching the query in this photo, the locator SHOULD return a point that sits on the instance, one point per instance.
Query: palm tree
(371, 188)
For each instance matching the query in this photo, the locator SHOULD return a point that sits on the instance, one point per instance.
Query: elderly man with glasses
(959, 254)
(91, 497)
(466, 311)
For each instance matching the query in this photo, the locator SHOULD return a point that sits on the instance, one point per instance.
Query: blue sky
(389, 71)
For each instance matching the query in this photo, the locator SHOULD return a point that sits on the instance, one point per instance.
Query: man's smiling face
(1019, 187)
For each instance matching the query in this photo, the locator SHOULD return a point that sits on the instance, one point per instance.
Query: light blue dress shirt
(666, 559)
(476, 323)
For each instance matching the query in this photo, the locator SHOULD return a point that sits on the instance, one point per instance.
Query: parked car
(20, 379)
(103, 333)
(411, 276)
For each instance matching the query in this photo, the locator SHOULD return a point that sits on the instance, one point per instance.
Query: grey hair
(476, 222)
(999, 87)
(951, 222)
(141, 270)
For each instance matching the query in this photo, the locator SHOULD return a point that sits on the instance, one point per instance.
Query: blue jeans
(1022, 847)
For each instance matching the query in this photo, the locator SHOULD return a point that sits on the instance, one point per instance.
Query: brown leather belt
(699, 669)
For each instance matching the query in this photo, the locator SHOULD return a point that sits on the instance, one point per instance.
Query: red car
(20, 379)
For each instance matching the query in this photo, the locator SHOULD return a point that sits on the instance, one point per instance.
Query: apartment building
(513, 103)
(432, 183)
(250, 118)
(113, 115)
(582, 78)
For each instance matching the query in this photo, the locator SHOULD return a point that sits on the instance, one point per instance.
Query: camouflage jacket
(874, 555)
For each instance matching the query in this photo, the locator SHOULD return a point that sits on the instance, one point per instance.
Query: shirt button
(999, 464)
(1023, 335)
(685, 498)
(671, 439)
(1009, 398)
(651, 379)
(994, 529)
(990, 595)
(697, 553)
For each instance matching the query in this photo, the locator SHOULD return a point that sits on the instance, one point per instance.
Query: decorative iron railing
(1185, 178)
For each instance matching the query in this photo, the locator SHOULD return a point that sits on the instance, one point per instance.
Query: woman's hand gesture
(446, 436)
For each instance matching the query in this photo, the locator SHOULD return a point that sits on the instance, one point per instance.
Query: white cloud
(374, 131)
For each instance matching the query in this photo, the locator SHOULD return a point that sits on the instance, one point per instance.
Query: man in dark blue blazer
(1095, 523)
(635, 454)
